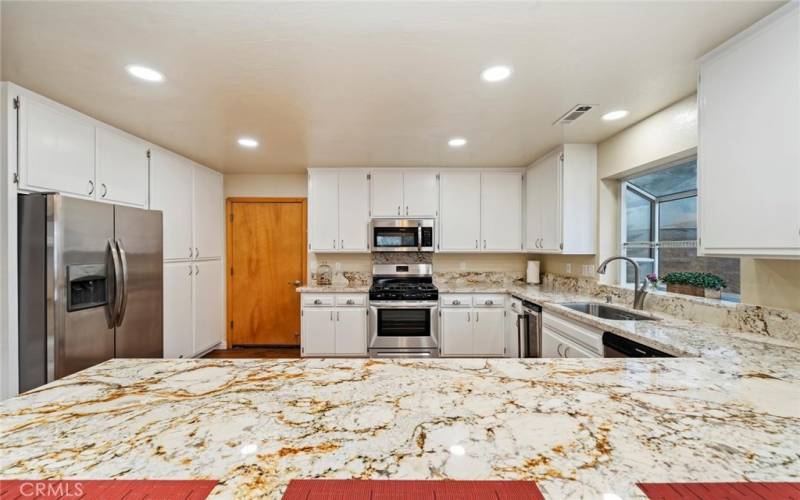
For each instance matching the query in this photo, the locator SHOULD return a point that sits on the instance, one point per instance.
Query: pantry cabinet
(333, 325)
(748, 168)
(338, 210)
(178, 318)
(209, 217)
(122, 166)
(561, 201)
(404, 193)
(207, 300)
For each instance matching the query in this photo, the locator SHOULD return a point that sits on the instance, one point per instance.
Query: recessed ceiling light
(456, 142)
(145, 73)
(247, 142)
(496, 73)
(615, 115)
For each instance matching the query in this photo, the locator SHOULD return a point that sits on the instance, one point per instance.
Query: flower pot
(713, 293)
(695, 291)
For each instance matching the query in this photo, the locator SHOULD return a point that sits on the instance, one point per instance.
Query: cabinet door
(178, 325)
(748, 151)
(122, 168)
(323, 207)
(420, 194)
(387, 194)
(208, 305)
(456, 332)
(318, 335)
(351, 331)
(556, 346)
(501, 211)
(353, 211)
(171, 191)
(209, 214)
(460, 213)
(56, 149)
(533, 215)
(548, 193)
(489, 332)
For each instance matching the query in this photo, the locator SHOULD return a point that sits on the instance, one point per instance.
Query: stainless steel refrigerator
(90, 285)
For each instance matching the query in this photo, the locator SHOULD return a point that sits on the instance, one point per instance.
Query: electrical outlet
(568, 268)
(338, 266)
(587, 270)
(462, 265)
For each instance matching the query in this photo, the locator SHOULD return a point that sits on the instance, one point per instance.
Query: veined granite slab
(314, 288)
(581, 428)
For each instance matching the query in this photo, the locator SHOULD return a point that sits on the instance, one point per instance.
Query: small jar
(324, 274)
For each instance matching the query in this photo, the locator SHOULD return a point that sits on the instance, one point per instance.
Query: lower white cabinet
(565, 338)
(556, 346)
(334, 330)
(472, 325)
(193, 307)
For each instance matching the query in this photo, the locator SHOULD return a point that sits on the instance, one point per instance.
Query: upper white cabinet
(209, 223)
(56, 148)
(561, 201)
(501, 211)
(338, 207)
(749, 141)
(171, 191)
(406, 193)
(122, 167)
(460, 212)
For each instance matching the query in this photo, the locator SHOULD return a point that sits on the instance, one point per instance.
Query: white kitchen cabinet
(513, 312)
(208, 299)
(338, 209)
(456, 332)
(209, 230)
(353, 211)
(460, 211)
(56, 148)
(351, 331)
(501, 211)
(178, 324)
(556, 346)
(489, 332)
(122, 167)
(748, 168)
(387, 193)
(318, 332)
(420, 194)
(561, 201)
(559, 332)
(171, 191)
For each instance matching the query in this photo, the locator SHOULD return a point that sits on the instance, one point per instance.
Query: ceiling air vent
(573, 114)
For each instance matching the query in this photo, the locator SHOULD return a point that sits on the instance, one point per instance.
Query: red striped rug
(97, 489)
(379, 489)
(721, 491)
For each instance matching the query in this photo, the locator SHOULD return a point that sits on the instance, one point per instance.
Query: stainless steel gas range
(404, 306)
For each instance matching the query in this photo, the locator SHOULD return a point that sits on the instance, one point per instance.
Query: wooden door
(121, 168)
(267, 261)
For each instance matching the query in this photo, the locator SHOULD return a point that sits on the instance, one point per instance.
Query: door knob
(296, 282)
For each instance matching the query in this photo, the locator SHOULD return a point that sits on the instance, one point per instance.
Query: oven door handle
(419, 235)
(404, 305)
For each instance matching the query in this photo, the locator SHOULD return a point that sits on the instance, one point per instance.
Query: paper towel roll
(533, 272)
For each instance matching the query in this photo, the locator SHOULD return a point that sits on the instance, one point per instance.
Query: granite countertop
(314, 288)
(578, 427)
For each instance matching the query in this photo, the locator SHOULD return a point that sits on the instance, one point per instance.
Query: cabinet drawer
(456, 300)
(346, 300)
(583, 335)
(318, 300)
(488, 300)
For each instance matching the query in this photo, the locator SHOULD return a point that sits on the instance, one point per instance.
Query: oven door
(403, 325)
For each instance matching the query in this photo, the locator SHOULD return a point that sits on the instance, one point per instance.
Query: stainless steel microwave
(402, 235)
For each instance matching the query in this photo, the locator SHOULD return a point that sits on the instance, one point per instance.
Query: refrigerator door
(80, 234)
(139, 317)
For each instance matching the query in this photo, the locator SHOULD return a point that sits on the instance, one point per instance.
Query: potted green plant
(696, 284)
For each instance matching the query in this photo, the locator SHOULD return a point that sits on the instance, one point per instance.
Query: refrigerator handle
(124, 299)
(114, 300)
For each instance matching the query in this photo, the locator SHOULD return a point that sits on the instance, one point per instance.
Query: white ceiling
(363, 84)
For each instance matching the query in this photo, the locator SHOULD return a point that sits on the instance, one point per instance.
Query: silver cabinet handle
(91, 187)
(558, 349)
(566, 348)
(456, 302)
(334, 243)
(196, 253)
(190, 252)
(341, 244)
(476, 244)
(190, 269)
(105, 190)
(337, 315)
(477, 316)
(489, 302)
(317, 301)
(350, 302)
(467, 316)
(196, 270)
(484, 243)
(398, 209)
(406, 209)
(331, 315)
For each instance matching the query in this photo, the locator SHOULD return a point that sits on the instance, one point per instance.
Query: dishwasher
(615, 346)
(529, 331)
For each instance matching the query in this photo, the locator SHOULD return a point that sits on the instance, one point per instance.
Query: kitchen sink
(606, 311)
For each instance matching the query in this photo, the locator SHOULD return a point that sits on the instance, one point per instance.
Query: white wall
(267, 186)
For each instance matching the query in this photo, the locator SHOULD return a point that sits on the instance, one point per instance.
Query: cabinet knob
(489, 302)
(105, 190)
(350, 302)
(456, 302)
(196, 252)
(317, 301)
(91, 187)
(190, 252)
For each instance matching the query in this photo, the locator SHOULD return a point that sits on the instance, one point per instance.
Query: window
(659, 221)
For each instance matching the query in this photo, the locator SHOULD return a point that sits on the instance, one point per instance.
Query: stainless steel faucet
(638, 293)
